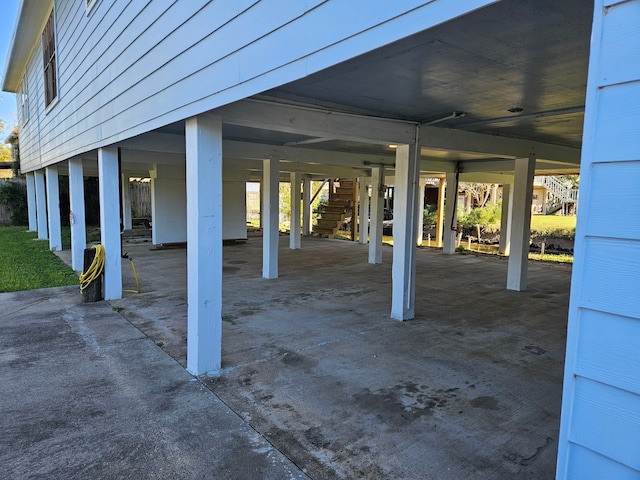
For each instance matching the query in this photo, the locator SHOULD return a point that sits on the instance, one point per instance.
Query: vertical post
(109, 193)
(203, 136)
(354, 210)
(294, 230)
(31, 202)
(126, 202)
(306, 206)
(450, 219)
(53, 208)
(377, 214)
(41, 205)
(505, 220)
(420, 212)
(405, 223)
(364, 210)
(521, 223)
(270, 202)
(494, 194)
(77, 214)
(440, 214)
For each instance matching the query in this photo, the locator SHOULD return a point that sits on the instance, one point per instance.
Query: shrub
(487, 216)
(13, 194)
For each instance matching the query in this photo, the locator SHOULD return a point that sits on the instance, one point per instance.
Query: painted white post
(41, 205)
(270, 211)
(126, 202)
(450, 217)
(440, 213)
(53, 208)
(294, 230)
(504, 246)
(420, 212)
(169, 204)
(405, 224)
(204, 243)
(77, 214)
(377, 214)
(521, 223)
(31, 202)
(306, 206)
(363, 221)
(109, 194)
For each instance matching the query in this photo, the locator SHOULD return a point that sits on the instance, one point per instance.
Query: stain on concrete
(485, 402)
(403, 403)
(524, 459)
(534, 349)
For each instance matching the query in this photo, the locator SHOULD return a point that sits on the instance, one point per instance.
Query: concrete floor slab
(469, 389)
(87, 395)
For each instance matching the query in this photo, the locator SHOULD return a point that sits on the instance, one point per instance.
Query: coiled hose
(94, 270)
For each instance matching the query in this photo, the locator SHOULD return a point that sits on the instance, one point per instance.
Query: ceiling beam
(494, 145)
(318, 123)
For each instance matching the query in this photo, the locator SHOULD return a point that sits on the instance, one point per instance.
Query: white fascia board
(493, 145)
(317, 123)
(32, 15)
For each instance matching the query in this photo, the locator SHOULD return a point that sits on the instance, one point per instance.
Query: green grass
(553, 226)
(27, 263)
(552, 257)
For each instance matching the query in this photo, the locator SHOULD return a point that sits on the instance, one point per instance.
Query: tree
(5, 153)
(479, 192)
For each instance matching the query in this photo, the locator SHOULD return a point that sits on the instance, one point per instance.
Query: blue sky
(7, 23)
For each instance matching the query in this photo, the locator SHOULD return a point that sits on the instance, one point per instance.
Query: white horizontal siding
(618, 123)
(614, 197)
(608, 349)
(600, 424)
(130, 67)
(611, 274)
(606, 418)
(587, 464)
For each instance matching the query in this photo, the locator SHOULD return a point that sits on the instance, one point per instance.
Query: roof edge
(32, 15)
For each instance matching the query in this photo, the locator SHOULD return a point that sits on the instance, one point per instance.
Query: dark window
(49, 58)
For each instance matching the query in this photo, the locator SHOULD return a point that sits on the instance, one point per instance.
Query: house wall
(600, 427)
(539, 200)
(130, 67)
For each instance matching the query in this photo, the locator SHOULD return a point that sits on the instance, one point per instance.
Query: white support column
(521, 223)
(420, 212)
(363, 221)
(204, 244)
(294, 230)
(504, 246)
(440, 213)
(77, 214)
(377, 214)
(53, 208)
(306, 206)
(31, 202)
(270, 211)
(405, 224)
(109, 193)
(450, 217)
(126, 202)
(169, 204)
(41, 205)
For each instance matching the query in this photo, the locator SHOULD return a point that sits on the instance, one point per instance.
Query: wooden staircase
(342, 195)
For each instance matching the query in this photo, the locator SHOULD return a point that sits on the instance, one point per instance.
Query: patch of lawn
(553, 226)
(27, 263)
(552, 257)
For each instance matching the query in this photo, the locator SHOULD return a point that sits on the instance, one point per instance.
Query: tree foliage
(13, 194)
(5, 153)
